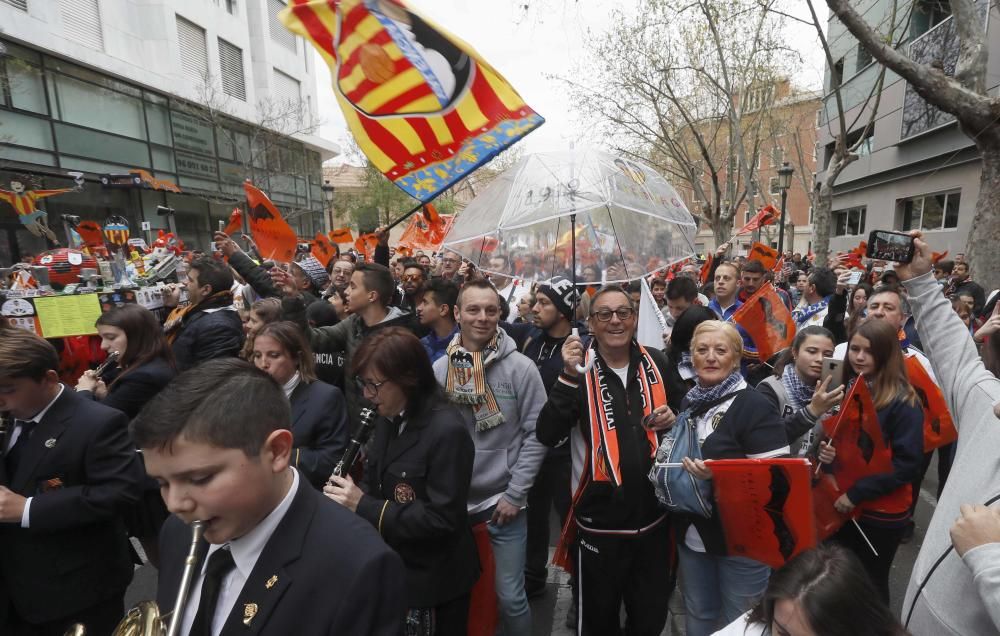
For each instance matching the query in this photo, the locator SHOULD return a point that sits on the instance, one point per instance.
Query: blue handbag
(677, 489)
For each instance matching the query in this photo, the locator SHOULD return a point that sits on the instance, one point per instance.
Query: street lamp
(328, 192)
(785, 173)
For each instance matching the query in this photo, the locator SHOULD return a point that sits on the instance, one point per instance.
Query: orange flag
(366, 244)
(322, 250)
(765, 506)
(939, 429)
(275, 239)
(780, 265)
(825, 492)
(768, 256)
(91, 232)
(235, 223)
(431, 214)
(767, 320)
(341, 235)
(706, 270)
(937, 257)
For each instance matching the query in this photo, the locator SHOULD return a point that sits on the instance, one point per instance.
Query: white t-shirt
(740, 627)
(622, 375)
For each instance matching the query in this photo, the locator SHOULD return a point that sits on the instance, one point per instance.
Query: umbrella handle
(588, 357)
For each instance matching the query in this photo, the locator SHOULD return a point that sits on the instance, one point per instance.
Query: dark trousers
(886, 542)
(551, 488)
(635, 570)
(98, 619)
(452, 618)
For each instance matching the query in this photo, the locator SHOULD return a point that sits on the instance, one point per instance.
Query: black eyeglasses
(623, 313)
(368, 385)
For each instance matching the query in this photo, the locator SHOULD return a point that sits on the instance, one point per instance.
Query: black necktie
(219, 565)
(13, 457)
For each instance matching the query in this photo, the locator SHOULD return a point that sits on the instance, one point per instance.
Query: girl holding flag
(875, 357)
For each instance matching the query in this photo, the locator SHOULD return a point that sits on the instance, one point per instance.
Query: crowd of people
(497, 402)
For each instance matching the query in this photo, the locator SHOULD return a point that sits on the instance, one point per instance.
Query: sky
(528, 40)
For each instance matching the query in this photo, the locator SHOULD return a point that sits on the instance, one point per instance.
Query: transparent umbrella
(584, 214)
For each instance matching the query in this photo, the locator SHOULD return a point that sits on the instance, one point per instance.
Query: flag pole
(864, 536)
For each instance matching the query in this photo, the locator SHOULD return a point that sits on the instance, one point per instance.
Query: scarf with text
(466, 380)
(604, 459)
(805, 313)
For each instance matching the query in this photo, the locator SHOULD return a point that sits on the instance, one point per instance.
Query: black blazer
(421, 479)
(329, 574)
(136, 387)
(319, 429)
(81, 469)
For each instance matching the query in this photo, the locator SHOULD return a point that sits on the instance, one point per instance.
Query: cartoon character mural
(24, 203)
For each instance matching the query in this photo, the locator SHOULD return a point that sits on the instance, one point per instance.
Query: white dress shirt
(13, 440)
(246, 550)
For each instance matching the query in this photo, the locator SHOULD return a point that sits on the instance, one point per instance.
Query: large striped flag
(422, 105)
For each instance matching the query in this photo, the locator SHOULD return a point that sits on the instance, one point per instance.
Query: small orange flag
(767, 320)
(235, 222)
(706, 269)
(431, 214)
(322, 250)
(366, 244)
(275, 239)
(768, 256)
(939, 429)
(341, 235)
(937, 257)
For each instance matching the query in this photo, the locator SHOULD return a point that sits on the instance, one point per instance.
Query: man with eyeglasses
(340, 272)
(621, 406)
(450, 264)
(499, 393)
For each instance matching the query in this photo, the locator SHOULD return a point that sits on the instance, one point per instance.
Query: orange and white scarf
(466, 380)
(603, 411)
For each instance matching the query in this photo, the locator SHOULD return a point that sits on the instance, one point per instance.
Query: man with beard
(412, 280)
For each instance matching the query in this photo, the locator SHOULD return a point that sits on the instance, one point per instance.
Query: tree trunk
(721, 230)
(984, 234)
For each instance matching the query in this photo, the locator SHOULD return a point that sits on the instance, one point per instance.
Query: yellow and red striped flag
(422, 105)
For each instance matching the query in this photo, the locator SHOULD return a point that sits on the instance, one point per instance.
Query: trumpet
(358, 440)
(111, 359)
(145, 619)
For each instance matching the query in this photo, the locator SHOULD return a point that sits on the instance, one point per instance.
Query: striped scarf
(604, 460)
(799, 393)
(803, 314)
(466, 380)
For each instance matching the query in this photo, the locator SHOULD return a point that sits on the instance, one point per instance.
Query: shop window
(163, 158)
(158, 121)
(99, 108)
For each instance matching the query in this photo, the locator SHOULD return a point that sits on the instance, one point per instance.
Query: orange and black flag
(235, 223)
(422, 105)
(768, 256)
(767, 320)
(706, 270)
(366, 245)
(431, 214)
(937, 257)
(939, 429)
(857, 436)
(826, 517)
(341, 235)
(766, 507)
(275, 239)
(322, 250)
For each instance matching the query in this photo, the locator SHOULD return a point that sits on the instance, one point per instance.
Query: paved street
(550, 610)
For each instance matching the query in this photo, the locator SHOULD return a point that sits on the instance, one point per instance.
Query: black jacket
(418, 488)
(322, 572)
(212, 330)
(602, 505)
(319, 428)
(81, 469)
(259, 278)
(130, 392)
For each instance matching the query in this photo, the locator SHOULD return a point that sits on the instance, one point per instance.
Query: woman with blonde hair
(730, 420)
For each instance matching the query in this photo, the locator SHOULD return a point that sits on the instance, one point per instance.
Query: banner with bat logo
(939, 429)
(768, 256)
(767, 320)
(275, 239)
(765, 506)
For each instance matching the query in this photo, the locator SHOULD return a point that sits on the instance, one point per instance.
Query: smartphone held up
(884, 245)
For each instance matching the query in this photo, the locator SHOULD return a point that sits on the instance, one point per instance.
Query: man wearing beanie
(553, 317)
(307, 276)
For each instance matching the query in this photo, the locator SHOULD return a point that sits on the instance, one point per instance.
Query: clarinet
(111, 359)
(358, 439)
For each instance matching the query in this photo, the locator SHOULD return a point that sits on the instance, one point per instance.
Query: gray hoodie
(508, 456)
(959, 596)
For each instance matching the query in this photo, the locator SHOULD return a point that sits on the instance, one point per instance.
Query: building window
(929, 212)
(231, 64)
(864, 58)
(758, 98)
(82, 22)
(849, 222)
(286, 88)
(810, 215)
(17, 4)
(777, 156)
(194, 50)
(773, 186)
(279, 33)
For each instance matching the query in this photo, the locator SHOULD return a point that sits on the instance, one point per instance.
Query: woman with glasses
(417, 480)
(319, 412)
(731, 421)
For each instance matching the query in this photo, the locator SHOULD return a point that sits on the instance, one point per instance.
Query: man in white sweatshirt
(955, 584)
